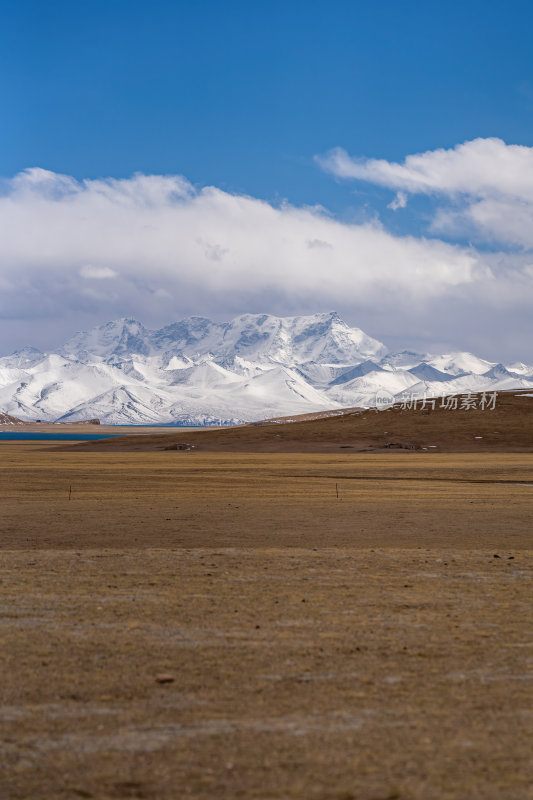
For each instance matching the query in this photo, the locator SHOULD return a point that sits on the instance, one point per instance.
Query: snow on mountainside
(123, 337)
(460, 364)
(253, 337)
(197, 371)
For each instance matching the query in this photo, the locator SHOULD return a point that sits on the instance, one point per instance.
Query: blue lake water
(55, 437)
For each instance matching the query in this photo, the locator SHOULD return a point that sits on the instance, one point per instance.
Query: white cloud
(172, 250)
(158, 232)
(97, 273)
(488, 183)
(482, 167)
(400, 201)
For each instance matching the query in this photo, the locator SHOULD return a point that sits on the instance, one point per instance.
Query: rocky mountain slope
(7, 419)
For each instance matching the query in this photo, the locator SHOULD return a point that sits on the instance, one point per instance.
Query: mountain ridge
(255, 366)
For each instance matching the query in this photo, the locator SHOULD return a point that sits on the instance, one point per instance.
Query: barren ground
(506, 428)
(365, 645)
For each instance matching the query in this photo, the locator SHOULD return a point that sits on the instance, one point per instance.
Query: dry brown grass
(193, 499)
(507, 428)
(366, 647)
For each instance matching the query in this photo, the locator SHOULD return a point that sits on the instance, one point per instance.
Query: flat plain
(265, 625)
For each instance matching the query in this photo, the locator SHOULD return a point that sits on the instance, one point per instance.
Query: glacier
(199, 372)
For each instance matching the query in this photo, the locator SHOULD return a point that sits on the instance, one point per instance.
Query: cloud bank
(74, 253)
(488, 185)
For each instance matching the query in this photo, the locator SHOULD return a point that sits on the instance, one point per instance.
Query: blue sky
(244, 96)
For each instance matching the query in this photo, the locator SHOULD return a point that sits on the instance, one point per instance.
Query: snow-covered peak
(196, 371)
(449, 364)
(327, 339)
(499, 372)
(518, 367)
(320, 338)
(406, 359)
(426, 372)
(460, 364)
(357, 372)
(121, 337)
(22, 358)
(188, 337)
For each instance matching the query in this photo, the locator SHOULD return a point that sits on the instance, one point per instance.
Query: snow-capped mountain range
(257, 366)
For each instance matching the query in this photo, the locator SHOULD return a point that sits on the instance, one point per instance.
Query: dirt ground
(187, 624)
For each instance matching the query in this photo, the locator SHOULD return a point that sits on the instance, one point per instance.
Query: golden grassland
(344, 626)
(196, 499)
